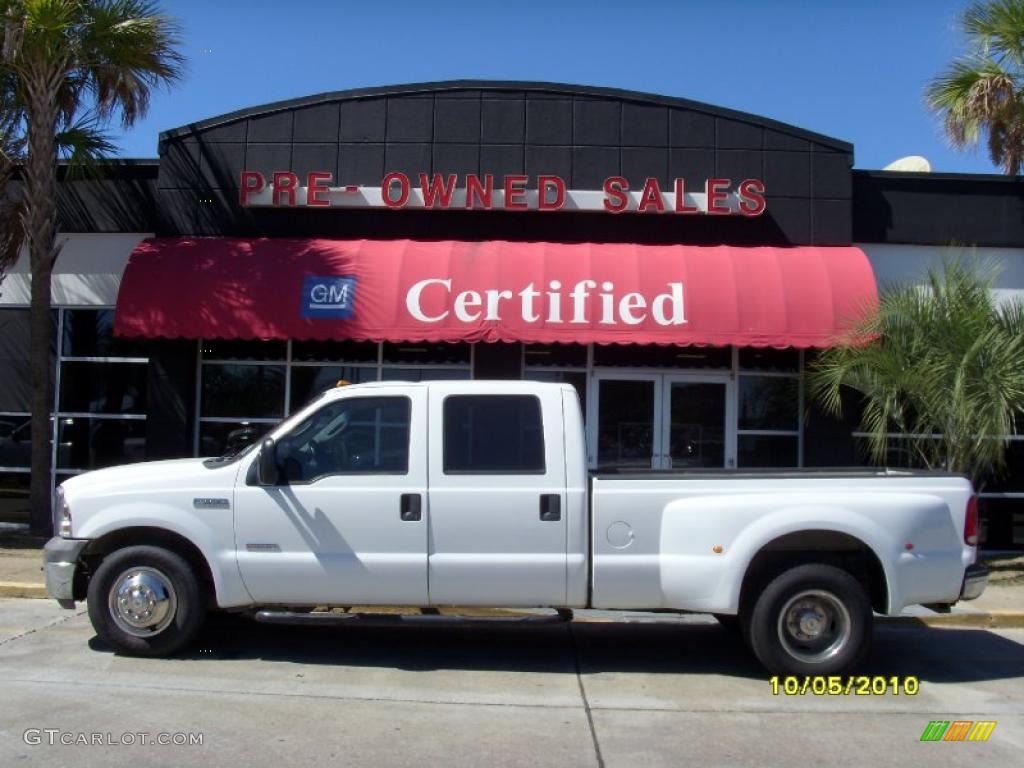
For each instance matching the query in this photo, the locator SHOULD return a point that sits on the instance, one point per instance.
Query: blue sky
(850, 69)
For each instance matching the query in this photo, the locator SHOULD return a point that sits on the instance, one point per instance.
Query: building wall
(584, 135)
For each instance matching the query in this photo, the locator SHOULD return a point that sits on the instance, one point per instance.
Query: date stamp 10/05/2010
(839, 685)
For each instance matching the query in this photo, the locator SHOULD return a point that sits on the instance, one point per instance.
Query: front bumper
(975, 581)
(60, 559)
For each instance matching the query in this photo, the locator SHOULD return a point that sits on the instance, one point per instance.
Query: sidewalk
(21, 566)
(1001, 605)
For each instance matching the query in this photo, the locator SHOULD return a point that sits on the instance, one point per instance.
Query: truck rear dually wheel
(146, 601)
(811, 620)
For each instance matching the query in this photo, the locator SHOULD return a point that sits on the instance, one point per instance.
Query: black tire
(185, 602)
(836, 616)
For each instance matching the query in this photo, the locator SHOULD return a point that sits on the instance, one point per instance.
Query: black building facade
(647, 405)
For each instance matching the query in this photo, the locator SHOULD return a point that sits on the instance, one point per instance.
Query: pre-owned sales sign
(507, 193)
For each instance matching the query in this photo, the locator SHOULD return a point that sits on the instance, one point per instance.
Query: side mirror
(266, 463)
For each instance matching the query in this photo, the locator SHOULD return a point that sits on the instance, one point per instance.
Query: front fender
(211, 534)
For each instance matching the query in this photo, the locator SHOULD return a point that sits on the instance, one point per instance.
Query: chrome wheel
(142, 601)
(814, 626)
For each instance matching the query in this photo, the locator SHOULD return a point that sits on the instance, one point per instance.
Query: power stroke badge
(328, 298)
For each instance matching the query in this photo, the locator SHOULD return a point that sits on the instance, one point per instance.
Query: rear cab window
(493, 434)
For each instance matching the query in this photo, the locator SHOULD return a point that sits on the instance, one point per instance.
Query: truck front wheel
(811, 620)
(146, 601)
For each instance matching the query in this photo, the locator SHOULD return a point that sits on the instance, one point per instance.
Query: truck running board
(325, 618)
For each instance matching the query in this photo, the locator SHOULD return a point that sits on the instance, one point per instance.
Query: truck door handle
(550, 507)
(410, 507)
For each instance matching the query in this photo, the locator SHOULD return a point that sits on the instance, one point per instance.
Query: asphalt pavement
(660, 691)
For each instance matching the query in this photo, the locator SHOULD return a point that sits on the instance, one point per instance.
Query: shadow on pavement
(936, 655)
(945, 655)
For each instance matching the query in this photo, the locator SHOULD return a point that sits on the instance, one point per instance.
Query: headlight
(64, 514)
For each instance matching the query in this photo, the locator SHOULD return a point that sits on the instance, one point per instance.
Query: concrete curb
(990, 620)
(22, 589)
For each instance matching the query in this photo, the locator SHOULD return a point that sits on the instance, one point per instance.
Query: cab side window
(359, 435)
(493, 434)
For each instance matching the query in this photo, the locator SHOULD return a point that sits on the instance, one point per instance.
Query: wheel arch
(816, 545)
(99, 548)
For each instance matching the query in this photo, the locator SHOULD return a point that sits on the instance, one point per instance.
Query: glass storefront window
(308, 381)
(334, 352)
(425, 374)
(577, 378)
(92, 443)
(90, 333)
(767, 359)
(14, 488)
(219, 437)
(15, 376)
(255, 391)
(1011, 478)
(15, 440)
(87, 387)
(239, 349)
(769, 402)
(625, 433)
(426, 354)
(780, 451)
(560, 355)
(658, 356)
(900, 452)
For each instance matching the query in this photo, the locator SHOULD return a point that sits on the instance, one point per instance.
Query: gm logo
(328, 298)
(958, 730)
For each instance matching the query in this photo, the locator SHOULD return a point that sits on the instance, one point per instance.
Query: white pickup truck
(477, 494)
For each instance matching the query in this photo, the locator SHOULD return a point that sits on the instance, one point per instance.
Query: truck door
(497, 497)
(347, 522)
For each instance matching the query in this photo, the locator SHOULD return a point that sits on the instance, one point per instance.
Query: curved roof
(444, 86)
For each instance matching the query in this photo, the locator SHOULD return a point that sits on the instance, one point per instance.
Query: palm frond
(128, 48)
(996, 26)
(982, 92)
(947, 369)
(83, 144)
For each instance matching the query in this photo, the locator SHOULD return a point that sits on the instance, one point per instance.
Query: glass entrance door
(627, 435)
(695, 424)
(662, 421)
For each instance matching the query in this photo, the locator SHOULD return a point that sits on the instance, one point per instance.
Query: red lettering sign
(751, 194)
(544, 201)
(443, 191)
(314, 189)
(250, 183)
(436, 190)
(615, 198)
(484, 193)
(515, 193)
(389, 183)
(651, 197)
(285, 183)
(717, 192)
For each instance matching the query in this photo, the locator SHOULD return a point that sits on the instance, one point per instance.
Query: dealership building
(678, 263)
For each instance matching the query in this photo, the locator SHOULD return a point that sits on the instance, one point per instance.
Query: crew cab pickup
(477, 493)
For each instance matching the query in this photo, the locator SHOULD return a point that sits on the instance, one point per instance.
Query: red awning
(403, 290)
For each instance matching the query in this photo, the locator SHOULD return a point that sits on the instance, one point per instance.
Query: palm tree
(12, 145)
(983, 91)
(76, 64)
(941, 365)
